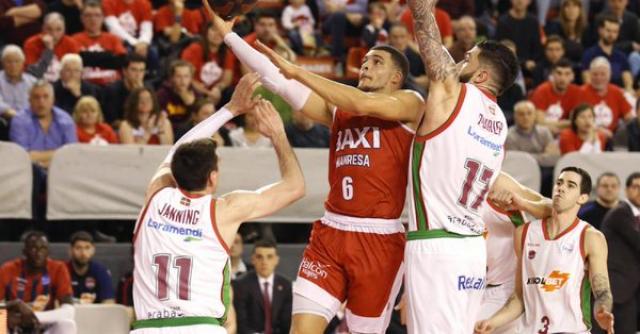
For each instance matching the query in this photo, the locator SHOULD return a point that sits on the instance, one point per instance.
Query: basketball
(228, 9)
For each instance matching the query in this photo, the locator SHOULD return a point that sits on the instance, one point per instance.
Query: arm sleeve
(18, 132)
(117, 29)
(146, 32)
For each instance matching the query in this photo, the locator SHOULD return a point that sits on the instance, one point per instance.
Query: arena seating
(620, 163)
(16, 176)
(102, 319)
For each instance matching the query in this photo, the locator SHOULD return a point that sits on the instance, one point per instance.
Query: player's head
(36, 249)
(491, 64)
(195, 166)
(81, 248)
(633, 188)
(265, 257)
(384, 69)
(571, 190)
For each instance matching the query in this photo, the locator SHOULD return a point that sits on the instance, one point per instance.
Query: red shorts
(357, 260)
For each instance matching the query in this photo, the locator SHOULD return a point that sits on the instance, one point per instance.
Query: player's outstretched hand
(225, 27)
(604, 319)
(242, 99)
(269, 121)
(287, 69)
(483, 327)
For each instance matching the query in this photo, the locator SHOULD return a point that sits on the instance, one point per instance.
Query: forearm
(40, 67)
(30, 11)
(287, 161)
(117, 29)
(601, 292)
(146, 32)
(509, 312)
(343, 96)
(627, 80)
(42, 157)
(539, 209)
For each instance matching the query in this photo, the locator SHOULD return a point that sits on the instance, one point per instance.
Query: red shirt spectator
(17, 283)
(443, 20)
(192, 20)
(34, 47)
(104, 42)
(130, 15)
(571, 142)
(554, 105)
(608, 108)
(103, 133)
(208, 71)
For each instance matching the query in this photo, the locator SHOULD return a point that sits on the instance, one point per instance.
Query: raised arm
(596, 252)
(508, 193)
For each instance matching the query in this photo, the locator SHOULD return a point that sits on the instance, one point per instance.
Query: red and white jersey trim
(365, 225)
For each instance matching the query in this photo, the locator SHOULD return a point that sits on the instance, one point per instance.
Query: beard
(369, 88)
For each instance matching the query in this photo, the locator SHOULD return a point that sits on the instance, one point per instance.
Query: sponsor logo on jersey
(555, 281)
(191, 234)
(313, 269)
(174, 312)
(90, 283)
(567, 247)
(495, 147)
(467, 222)
(185, 201)
(532, 254)
(357, 138)
(491, 125)
(188, 216)
(353, 160)
(470, 283)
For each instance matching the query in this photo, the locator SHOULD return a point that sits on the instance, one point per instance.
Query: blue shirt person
(91, 281)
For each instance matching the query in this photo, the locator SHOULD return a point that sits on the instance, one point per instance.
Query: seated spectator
(608, 30)
(553, 52)
(214, 64)
(607, 197)
(21, 18)
(608, 100)
(90, 124)
(583, 135)
(457, 8)
(99, 43)
(298, 20)
(633, 134)
(399, 38)
(629, 29)
(15, 84)
(555, 98)
(238, 266)
(265, 30)
(116, 93)
(41, 282)
(303, 132)
(174, 27)
(571, 26)
(144, 123)
(376, 32)
(91, 281)
(70, 10)
(177, 95)
(201, 110)
(523, 29)
(70, 87)
(48, 47)
(466, 36)
(248, 136)
(443, 20)
(263, 292)
(341, 19)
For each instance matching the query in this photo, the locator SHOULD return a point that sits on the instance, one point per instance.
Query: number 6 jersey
(181, 262)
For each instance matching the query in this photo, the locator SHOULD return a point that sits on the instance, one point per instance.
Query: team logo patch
(567, 248)
(90, 283)
(532, 254)
(185, 201)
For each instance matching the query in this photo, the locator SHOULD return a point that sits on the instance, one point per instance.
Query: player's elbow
(297, 190)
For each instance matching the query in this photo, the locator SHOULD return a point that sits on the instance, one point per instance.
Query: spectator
(91, 281)
(178, 95)
(21, 18)
(377, 30)
(175, 26)
(201, 110)
(571, 26)
(443, 20)
(238, 266)
(303, 132)
(608, 30)
(99, 43)
(399, 38)
(70, 87)
(523, 29)
(48, 47)
(553, 52)
(214, 64)
(249, 136)
(628, 21)
(42, 282)
(620, 227)
(262, 299)
(457, 8)
(265, 30)
(608, 101)
(633, 134)
(555, 98)
(466, 35)
(124, 291)
(15, 84)
(583, 135)
(607, 198)
(117, 92)
(90, 125)
(341, 19)
(70, 10)
(143, 122)
(298, 20)
(131, 20)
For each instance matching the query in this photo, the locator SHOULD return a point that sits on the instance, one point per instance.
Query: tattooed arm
(595, 246)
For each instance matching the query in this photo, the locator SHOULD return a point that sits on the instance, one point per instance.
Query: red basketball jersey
(368, 166)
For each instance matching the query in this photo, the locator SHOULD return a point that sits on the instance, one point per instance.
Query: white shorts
(493, 300)
(192, 329)
(445, 280)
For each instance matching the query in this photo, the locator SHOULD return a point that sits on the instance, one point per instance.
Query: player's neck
(560, 221)
(80, 268)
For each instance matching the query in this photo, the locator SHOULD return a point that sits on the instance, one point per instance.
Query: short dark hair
(266, 14)
(265, 243)
(582, 107)
(562, 63)
(553, 39)
(631, 178)
(193, 162)
(607, 18)
(503, 61)
(32, 234)
(80, 236)
(91, 4)
(180, 63)
(134, 58)
(399, 59)
(607, 174)
(585, 178)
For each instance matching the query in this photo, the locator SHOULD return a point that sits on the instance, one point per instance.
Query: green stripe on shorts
(175, 322)
(438, 233)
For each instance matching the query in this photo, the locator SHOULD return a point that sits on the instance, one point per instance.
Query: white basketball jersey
(501, 257)
(181, 262)
(555, 283)
(453, 167)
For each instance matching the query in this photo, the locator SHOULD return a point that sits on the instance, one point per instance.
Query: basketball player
(360, 239)
(565, 260)
(181, 253)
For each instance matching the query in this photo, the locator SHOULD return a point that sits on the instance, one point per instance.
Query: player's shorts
(445, 278)
(493, 300)
(354, 259)
(192, 329)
